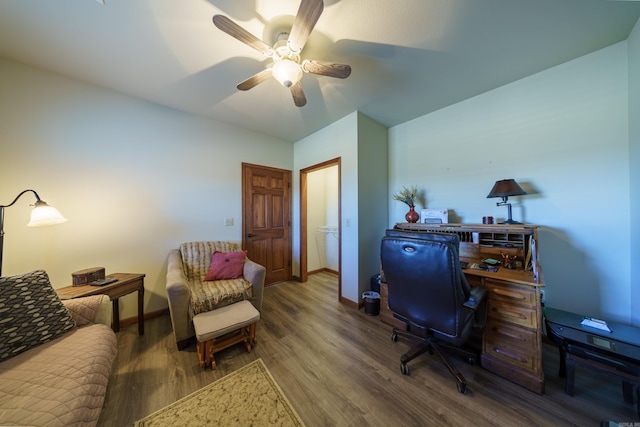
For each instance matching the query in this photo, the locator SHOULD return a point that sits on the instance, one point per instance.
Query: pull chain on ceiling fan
(287, 67)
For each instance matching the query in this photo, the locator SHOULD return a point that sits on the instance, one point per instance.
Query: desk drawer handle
(510, 313)
(510, 355)
(509, 294)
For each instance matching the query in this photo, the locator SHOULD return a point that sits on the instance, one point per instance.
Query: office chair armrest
(476, 296)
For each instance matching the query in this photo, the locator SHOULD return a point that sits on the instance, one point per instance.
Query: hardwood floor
(339, 367)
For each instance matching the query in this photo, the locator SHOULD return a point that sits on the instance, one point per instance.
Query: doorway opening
(320, 219)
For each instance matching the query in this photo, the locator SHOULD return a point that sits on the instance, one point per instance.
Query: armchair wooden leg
(211, 360)
(246, 332)
(252, 334)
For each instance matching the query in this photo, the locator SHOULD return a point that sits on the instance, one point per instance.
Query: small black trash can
(371, 303)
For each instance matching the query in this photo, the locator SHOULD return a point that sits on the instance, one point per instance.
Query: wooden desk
(126, 284)
(512, 339)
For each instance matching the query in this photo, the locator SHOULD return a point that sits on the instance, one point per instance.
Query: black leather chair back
(426, 285)
(436, 237)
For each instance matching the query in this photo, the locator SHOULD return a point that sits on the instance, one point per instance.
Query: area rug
(246, 397)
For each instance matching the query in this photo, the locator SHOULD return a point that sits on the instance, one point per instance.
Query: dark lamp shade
(505, 188)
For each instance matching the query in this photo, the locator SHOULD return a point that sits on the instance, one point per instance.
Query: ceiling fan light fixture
(287, 72)
(287, 67)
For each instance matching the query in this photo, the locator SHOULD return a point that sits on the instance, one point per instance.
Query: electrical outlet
(542, 296)
(228, 222)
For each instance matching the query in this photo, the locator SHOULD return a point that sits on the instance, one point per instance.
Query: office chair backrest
(437, 237)
(426, 285)
(452, 238)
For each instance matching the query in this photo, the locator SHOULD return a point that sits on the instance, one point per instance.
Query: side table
(126, 284)
(615, 352)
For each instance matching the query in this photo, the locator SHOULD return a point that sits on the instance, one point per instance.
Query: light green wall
(134, 179)
(633, 49)
(562, 134)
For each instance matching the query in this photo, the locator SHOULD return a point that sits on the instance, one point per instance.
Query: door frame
(303, 218)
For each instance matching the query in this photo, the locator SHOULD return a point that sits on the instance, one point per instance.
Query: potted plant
(408, 196)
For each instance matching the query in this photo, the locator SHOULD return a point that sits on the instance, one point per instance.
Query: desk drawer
(511, 293)
(516, 346)
(523, 316)
(501, 333)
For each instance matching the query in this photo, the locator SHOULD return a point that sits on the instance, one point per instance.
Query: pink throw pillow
(226, 265)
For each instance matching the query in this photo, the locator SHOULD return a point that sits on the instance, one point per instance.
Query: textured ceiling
(408, 57)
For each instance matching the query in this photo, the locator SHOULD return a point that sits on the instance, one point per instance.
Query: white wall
(336, 140)
(373, 190)
(562, 134)
(322, 211)
(633, 51)
(134, 179)
(316, 214)
(332, 205)
(361, 143)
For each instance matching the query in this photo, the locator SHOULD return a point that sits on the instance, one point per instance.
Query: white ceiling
(409, 57)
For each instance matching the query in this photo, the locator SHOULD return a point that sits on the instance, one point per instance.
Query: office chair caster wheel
(394, 337)
(462, 388)
(404, 369)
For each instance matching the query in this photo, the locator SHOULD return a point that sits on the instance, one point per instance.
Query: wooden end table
(126, 284)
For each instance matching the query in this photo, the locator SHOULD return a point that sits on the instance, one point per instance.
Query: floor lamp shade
(42, 215)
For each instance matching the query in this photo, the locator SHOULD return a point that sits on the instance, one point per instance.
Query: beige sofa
(63, 381)
(186, 271)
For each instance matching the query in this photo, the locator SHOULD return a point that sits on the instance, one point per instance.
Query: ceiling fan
(287, 66)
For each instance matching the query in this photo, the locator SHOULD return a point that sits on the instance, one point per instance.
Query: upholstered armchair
(189, 293)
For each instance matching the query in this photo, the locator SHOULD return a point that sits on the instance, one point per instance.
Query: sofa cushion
(226, 265)
(60, 383)
(31, 313)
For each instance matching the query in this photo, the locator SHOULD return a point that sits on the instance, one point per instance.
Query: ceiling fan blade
(308, 14)
(255, 80)
(298, 95)
(234, 30)
(331, 69)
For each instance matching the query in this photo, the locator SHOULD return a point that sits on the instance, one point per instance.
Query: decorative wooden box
(83, 277)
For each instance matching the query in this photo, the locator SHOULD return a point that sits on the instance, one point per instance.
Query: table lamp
(41, 215)
(504, 189)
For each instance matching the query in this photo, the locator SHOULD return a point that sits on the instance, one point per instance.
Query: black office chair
(428, 291)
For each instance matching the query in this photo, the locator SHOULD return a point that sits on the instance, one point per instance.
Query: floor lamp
(42, 214)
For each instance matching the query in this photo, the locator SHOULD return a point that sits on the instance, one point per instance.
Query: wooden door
(266, 222)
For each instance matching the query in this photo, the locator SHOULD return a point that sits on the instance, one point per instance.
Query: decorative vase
(412, 216)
